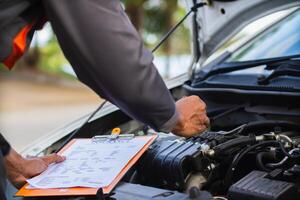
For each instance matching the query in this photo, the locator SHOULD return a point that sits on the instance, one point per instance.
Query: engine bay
(251, 151)
(238, 164)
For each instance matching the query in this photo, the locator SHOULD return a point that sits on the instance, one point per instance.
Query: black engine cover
(257, 186)
(169, 161)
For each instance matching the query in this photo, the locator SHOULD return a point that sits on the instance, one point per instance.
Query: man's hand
(19, 169)
(192, 117)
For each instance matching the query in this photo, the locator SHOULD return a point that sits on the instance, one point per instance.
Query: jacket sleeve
(4, 145)
(108, 55)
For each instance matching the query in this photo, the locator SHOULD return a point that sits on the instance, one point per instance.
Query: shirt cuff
(170, 124)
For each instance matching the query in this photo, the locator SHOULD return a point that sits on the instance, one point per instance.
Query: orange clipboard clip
(82, 191)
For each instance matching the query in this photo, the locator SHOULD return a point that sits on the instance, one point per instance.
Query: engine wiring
(280, 163)
(237, 130)
(238, 157)
(220, 198)
(262, 145)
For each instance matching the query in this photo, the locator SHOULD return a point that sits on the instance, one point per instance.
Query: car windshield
(282, 39)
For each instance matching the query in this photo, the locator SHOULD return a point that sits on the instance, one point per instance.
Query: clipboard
(83, 191)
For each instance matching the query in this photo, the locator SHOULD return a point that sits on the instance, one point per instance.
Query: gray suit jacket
(104, 49)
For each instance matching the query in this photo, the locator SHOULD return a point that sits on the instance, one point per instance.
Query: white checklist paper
(89, 164)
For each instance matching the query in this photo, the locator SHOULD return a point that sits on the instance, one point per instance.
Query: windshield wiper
(235, 66)
(285, 68)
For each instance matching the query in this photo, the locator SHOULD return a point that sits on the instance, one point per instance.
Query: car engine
(259, 160)
(250, 152)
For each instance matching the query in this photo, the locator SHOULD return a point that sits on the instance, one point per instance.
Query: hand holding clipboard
(127, 159)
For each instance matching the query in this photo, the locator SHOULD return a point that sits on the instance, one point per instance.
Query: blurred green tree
(155, 18)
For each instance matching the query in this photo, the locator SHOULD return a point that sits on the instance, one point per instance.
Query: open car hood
(222, 19)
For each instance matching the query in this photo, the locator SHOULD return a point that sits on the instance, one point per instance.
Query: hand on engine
(192, 117)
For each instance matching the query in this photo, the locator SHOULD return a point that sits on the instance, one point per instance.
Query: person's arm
(108, 55)
(19, 168)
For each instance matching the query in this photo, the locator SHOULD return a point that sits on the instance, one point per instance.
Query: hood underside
(220, 20)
